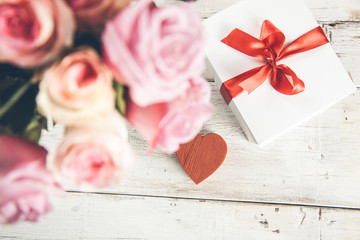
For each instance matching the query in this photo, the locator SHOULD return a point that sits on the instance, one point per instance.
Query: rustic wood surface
(302, 186)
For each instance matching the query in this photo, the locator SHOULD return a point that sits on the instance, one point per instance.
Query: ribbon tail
(247, 81)
(285, 81)
(226, 93)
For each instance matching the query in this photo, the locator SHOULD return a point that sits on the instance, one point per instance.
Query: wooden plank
(93, 216)
(345, 39)
(323, 10)
(316, 163)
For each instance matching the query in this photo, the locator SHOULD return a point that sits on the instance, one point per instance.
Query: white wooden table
(304, 185)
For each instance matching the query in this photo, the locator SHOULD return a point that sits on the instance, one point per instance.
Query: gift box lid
(265, 114)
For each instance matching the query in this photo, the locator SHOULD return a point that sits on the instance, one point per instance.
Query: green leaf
(15, 96)
(7, 81)
(13, 75)
(18, 115)
(17, 107)
(120, 97)
(13, 81)
(32, 131)
(5, 130)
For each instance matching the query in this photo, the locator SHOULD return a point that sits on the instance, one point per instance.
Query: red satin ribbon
(271, 47)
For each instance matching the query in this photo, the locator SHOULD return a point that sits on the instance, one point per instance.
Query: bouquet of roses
(89, 65)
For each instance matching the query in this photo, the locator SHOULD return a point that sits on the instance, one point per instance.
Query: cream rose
(93, 155)
(78, 88)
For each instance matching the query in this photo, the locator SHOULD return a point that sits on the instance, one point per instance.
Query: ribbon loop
(271, 47)
(246, 44)
(272, 37)
(286, 82)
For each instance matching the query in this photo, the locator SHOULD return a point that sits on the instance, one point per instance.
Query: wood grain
(345, 39)
(99, 216)
(317, 163)
(323, 10)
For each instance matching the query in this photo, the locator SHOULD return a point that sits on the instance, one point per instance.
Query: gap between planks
(217, 200)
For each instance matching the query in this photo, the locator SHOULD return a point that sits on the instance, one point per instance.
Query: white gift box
(265, 114)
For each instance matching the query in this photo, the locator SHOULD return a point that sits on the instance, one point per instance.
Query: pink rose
(78, 88)
(24, 181)
(155, 50)
(90, 13)
(167, 125)
(33, 32)
(94, 155)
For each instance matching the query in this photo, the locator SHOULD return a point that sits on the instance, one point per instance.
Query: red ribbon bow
(271, 47)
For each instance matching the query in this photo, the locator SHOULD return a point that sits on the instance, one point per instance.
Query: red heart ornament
(202, 156)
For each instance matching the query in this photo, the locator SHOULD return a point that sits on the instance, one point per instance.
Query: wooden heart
(202, 156)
